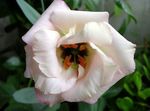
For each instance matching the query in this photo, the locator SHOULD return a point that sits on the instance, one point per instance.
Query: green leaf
(128, 89)
(112, 92)
(123, 5)
(98, 106)
(125, 103)
(146, 72)
(31, 14)
(117, 10)
(25, 95)
(145, 93)
(146, 61)
(12, 63)
(137, 80)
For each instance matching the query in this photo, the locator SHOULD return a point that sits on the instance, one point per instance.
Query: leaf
(98, 106)
(123, 5)
(125, 103)
(117, 10)
(127, 88)
(137, 80)
(147, 74)
(12, 63)
(31, 14)
(145, 93)
(146, 61)
(112, 92)
(25, 95)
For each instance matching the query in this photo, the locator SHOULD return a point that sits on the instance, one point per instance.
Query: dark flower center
(74, 54)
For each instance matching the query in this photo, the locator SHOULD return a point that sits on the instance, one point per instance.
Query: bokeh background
(130, 17)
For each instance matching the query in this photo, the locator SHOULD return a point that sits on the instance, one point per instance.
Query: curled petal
(32, 68)
(121, 50)
(44, 50)
(91, 83)
(44, 20)
(69, 18)
(117, 76)
(98, 35)
(53, 79)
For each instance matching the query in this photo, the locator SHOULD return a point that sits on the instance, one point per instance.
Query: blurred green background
(129, 17)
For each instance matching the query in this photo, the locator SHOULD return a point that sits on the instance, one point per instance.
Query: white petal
(53, 79)
(32, 69)
(44, 49)
(91, 83)
(44, 20)
(49, 99)
(97, 33)
(56, 85)
(121, 51)
(117, 76)
(69, 18)
(94, 32)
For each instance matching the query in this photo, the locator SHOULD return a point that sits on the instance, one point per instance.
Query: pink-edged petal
(117, 76)
(69, 18)
(32, 69)
(53, 79)
(44, 20)
(49, 99)
(121, 51)
(56, 85)
(90, 84)
(44, 50)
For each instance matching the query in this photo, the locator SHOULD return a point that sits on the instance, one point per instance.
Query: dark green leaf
(112, 92)
(29, 12)
(128, 89)
(125, 6)
(146, 61)
(146, 72)
(145, 93)
(25, 95)
(125, 103)
(137, 80)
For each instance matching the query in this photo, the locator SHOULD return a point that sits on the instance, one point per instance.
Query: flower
(75, 55)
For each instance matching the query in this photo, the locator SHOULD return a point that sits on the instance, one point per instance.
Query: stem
(42, 4)
(30, 82)
(73, 106)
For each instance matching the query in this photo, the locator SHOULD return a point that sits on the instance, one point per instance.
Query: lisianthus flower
(75, 55)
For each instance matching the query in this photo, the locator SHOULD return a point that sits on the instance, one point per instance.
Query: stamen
(82, 61)
(67, 62)
(82, 47)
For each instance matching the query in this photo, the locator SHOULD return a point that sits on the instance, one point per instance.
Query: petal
(53, 79)
(44, 50)
(121, 51)
(49, 99)
(44, 20)
(32, 69)
(56, 85)
(117, 76)
(99, 35)
(69, 18)
(91, 83)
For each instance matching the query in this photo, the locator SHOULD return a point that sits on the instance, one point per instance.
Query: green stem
(30, 82)
(42, 4)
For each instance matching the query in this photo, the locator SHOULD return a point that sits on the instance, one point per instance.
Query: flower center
(74, 54)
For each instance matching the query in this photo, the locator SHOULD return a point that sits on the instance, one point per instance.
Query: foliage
(132, 93)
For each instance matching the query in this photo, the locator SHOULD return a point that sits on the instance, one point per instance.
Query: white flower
(75, 55)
